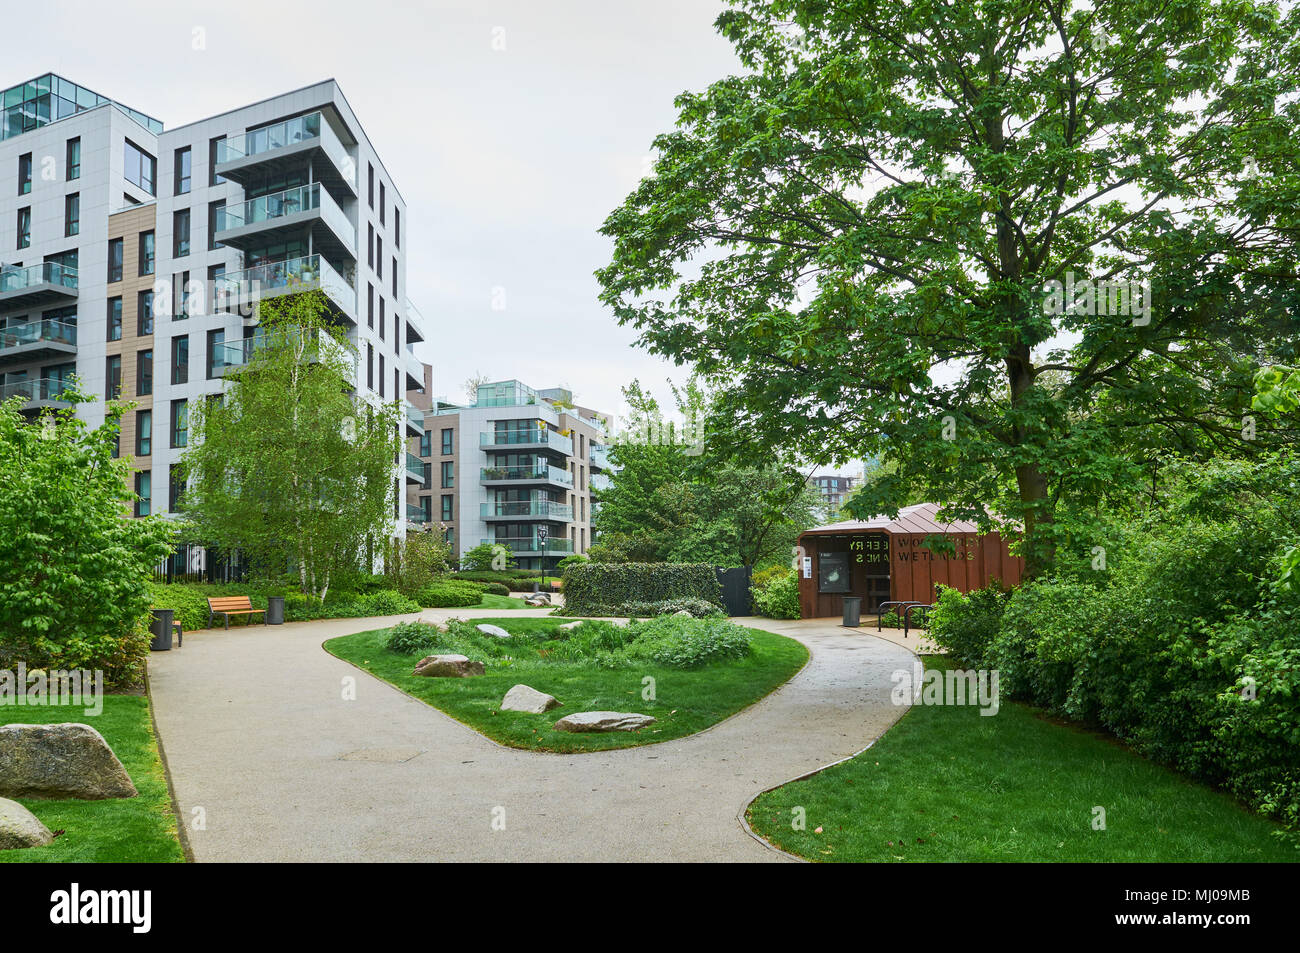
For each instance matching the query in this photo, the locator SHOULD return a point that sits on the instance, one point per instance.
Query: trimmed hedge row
(592, 588)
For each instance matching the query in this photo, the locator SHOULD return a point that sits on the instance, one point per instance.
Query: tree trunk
(1040, 549)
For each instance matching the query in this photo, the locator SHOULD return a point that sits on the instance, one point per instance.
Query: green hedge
(514, 580)
(450, 593)
(593, 588)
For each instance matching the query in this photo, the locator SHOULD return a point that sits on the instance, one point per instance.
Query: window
(379, 256)
(143, 491)
(215, 274)
(446, 442)
(215, 211)
(448, 474)
(370, 305)
(181, 359)
(370, 366)
(115, 259)
(24, 174)
(115, 319)
(144, 374)
(180, 233)
(381, 376)
(113, 376)
(72, 214)
(449, 536)
(25, 227)
(397, 227)
(426, 444)
(148, 253)
(214, 145)
(180, 423)
(370, 185)
(446, 507)
(216, 352)
(395, 278)
(381, 318)
(73, 164)
(397, 332)
(175, 487)
(428, 476)
(144, 313)
(370, 245)
(143, 433)
(182, 170)
(139, 167)
(382, 202)
(182, 298)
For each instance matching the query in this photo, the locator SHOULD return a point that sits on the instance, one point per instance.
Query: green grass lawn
(948, 784)
(687, 701)
(491, 601)
(131, 830)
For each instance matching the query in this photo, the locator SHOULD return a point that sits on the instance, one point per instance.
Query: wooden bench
(232, 605)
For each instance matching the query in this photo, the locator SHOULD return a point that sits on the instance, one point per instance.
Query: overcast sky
(509, 160)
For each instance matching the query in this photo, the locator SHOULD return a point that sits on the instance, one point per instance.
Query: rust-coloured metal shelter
(883, 559)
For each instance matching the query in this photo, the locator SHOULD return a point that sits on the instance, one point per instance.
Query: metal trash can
(853, 611)
(275, 610)
(536, 588)
(161, 627)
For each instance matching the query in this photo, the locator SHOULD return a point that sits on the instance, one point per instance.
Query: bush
(487, 556)
(496, 588)
(676, 642)
(450, 593)
(764, 577)
(598, 586)
(779, 597)
(967, 623)
(513, 580)
(388, 602)
(187, 601)
(411, 637)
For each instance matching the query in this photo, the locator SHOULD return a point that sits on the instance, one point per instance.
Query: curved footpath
(258, 735)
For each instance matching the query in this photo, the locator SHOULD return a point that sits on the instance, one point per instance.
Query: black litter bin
(853, 611)
(275, 610)
(161, 627)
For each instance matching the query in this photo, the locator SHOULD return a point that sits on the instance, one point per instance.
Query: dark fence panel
(196, 564)
(735, 589)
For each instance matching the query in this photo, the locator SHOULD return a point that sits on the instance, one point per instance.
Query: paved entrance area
(262, 746)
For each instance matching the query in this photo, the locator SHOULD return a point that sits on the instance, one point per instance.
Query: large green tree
(290, 467)
(869, 233)
(676, 496)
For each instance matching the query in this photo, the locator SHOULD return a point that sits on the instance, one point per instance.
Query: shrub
(388, 602)
(513, 580)
(487, 556)
(496, 588)
(779, 597)
(411, 637)
(600, 585)
(966, 623)
(764, 577)
(450, 593)
(188, 602)
(676, 642)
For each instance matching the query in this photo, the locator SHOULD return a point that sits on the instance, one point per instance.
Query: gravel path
(258, 735)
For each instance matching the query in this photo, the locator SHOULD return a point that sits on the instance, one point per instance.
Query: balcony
(523, 509)
(531, 438)
(291, 144)
(240, 291)
(37, 341)
(414, 420)
(235, 354)
(600, 481)
(37, 392)
(600, 457)
(37, 285)
(538, 473)
(414, 469)
(268, 218)
(416, 514)
(414, 323)
(414, 368)
(533, 545)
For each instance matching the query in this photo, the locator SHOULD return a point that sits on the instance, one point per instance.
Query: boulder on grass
(569, 625)
(66, 760)
(603, 721)
(447, 666)
(530, 700)
(495, 630)
(19, 827)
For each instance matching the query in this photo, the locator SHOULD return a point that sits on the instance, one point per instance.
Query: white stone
(20, 828)
(530, 700)
(496, 630)
(603, 721)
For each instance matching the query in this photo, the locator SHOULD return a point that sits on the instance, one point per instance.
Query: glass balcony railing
(600, 457)
(312, 272)
(600, 481)
(415, 468)
(238, 353)
(305, 198)
(416, 514)
(532, 544)
(37, 388)
(416, 322)
(46, 273)
(35, 332)
(529, 435)
(542, 509)
(282, 135)
(537, 472)
(414, 417)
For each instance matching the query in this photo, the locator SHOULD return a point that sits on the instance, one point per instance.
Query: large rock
(66, 760)
(447, 666)
(530, 700)
(603, 721)
(20, 828)
(496, 630)
(568, 626)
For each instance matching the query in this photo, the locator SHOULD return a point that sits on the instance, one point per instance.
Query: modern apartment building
(516, 467)
(134, 256)
(834, 491)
